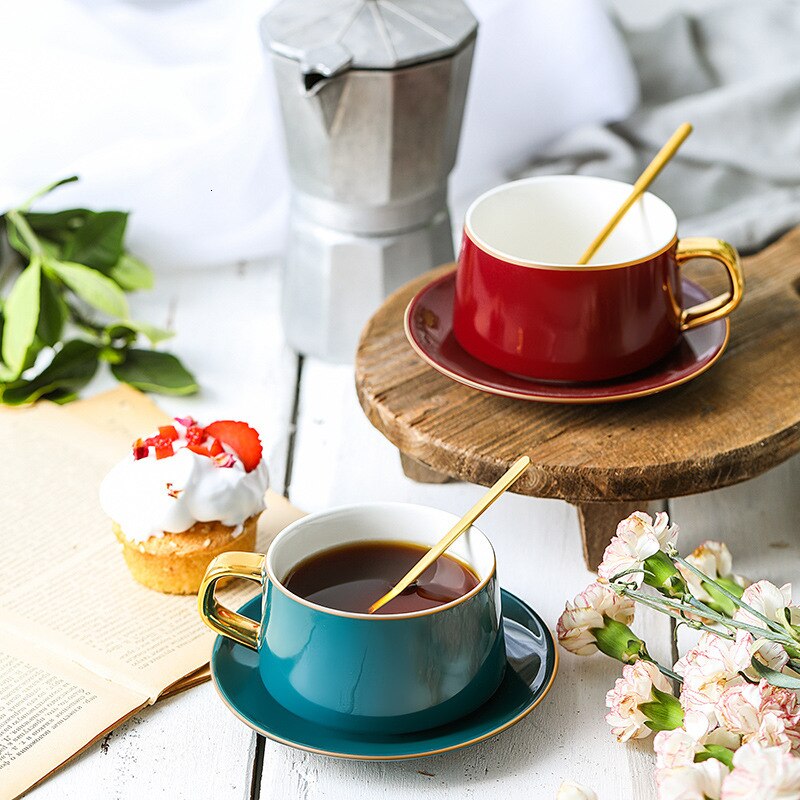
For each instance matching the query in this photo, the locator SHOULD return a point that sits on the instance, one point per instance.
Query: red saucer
(429, 328)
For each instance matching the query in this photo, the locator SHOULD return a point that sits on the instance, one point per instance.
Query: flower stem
(787, 626)
(664, 670)
(737, 601)
(664, 608)
(661, 604)
(738, 624)
(695, 606)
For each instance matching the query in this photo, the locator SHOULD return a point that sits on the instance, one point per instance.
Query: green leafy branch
(67, 274)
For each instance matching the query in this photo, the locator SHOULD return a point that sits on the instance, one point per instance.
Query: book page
(50, 709)
(82, 645)
(62, 578)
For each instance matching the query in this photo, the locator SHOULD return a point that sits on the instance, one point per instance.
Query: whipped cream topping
(149, 496)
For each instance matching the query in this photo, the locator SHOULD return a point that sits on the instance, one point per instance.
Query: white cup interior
(375, 522)
(550, 221)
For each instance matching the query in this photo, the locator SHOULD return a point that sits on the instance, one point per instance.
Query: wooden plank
(228, 331)
(340, 458)
(736, 421)
(420, 472)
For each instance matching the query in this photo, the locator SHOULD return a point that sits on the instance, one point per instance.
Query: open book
(83, 646)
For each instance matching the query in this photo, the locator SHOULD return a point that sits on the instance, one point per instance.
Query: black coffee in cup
(353, 576)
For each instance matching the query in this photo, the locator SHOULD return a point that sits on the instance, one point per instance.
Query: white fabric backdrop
(165, 108)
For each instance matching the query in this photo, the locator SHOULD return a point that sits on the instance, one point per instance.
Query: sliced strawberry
(199, 449)
(241, 438)
(162, 444)
(140, 450)
(195, 434)
(164, 450)
(169, 432)
(216, 448)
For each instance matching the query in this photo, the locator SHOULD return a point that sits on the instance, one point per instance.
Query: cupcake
(182, 497)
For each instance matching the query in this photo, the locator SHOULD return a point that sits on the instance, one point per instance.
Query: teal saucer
(532, 662)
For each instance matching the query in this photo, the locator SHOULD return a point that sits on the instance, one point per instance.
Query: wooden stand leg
(599, 522)
(421, 473)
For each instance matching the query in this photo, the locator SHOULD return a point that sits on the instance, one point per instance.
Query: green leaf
(131, 273)
(129, 330)
(53, 312)
(96, 289)
(98, 243)
(71, 369)
(46, 190)
(717, 751)
(59, 226)
(5, 373)
(21, 313)
(60, 396)
(112, 355)
(773, 676)
(153, 371)
(119, 334)
(15, 238)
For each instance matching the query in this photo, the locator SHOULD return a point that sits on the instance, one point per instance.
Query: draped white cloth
(733, 70)
(166, 108)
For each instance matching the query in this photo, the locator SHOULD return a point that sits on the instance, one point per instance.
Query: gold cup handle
(219, 618)
(722, 305)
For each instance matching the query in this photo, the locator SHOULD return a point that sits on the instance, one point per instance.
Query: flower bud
(617, 640)
(661, 573)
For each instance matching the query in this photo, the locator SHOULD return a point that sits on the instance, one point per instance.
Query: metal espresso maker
(372, 95)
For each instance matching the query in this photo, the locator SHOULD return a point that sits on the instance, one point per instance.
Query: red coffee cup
(523, 305)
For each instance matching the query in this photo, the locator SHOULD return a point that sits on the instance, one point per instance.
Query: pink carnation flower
(692, 781)
(569, 790)
(638, 537)
(761, 713)
(769, 600)
(708, 669)
(678, 748)
(762, 773)
(588, 611)
(712, 559)
(675, 748)
(634, 688)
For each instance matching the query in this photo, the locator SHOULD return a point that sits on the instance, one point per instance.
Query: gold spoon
(639, 188)
(517, 468)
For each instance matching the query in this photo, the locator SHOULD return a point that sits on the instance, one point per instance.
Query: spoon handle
(508, 478)
(644, 180)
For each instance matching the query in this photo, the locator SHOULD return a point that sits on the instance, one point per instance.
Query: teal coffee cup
(381, 673)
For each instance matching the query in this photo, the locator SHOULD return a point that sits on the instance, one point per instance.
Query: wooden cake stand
(730, 424)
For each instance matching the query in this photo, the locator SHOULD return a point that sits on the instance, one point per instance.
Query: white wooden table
(323, 452)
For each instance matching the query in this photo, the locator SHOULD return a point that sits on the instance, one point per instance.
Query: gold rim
(485, 248)
(547, 398)
(273, 579)
(405, 756)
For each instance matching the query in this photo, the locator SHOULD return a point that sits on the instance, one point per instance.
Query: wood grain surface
(732, 423)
